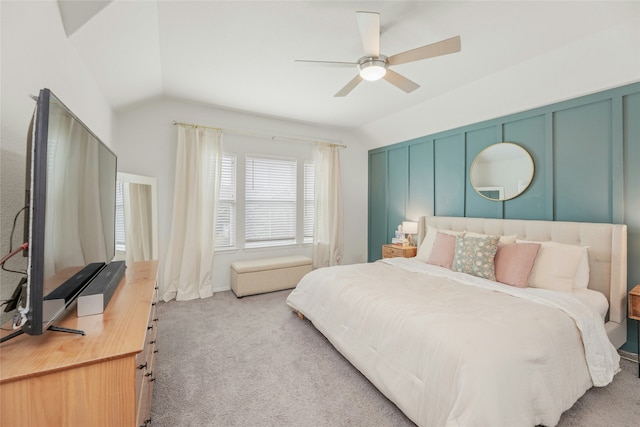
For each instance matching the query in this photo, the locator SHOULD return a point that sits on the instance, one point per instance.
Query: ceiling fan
(374, 66)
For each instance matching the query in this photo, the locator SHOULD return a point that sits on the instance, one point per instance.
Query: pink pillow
(514, 262)
(443, 250)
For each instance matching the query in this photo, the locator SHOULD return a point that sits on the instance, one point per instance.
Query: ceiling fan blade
(349, 86)
(328, 63)
(400, 82)
(443, 47)
(369, 25)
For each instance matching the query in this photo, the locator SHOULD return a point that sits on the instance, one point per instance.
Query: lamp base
(410, 240)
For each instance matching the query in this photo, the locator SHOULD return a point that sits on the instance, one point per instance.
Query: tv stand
(50, 328)
(103, 378)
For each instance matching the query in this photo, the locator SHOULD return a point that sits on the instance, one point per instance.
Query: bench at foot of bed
(268, 275)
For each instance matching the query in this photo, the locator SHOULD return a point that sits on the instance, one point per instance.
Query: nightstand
(634, 313)
(391, 251)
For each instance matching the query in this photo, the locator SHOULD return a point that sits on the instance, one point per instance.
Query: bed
(454, 349)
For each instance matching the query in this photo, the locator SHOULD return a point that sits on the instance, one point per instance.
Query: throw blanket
(454, 350)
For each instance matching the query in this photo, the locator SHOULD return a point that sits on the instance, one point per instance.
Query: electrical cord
(20, 317)
(13, 229)
(20, 249)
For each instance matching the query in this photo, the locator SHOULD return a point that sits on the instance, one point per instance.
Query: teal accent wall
(586, 154)
(421, 179)
(378, 235)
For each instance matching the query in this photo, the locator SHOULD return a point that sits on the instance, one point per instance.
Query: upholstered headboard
(607, 254)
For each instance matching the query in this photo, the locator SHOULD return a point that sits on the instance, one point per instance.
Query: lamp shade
(409, 227)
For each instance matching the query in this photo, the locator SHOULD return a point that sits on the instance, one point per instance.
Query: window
(270, 201)
(309, 200)
(226, 210)
(120, 236)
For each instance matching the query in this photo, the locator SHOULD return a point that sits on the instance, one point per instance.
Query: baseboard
(628, 355)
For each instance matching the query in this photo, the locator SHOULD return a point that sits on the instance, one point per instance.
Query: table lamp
(409, 228)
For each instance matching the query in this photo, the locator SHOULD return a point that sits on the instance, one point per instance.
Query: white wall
(35, 53)
(146, 144)
(605, 60)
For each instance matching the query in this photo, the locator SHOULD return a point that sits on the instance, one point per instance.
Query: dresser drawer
(145, 365)
(634, 303)
(392, 251)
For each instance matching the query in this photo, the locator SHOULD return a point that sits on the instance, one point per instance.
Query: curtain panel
(189, 261)
(328, 227)
(137, 222)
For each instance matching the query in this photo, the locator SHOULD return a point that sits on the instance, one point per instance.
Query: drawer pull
(148, 374)
(152, 342)
(155, 351)
(149, 327)
(143, 366)
(152, 379)
(155, 320)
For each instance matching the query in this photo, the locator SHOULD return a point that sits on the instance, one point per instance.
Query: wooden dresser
(104, 378)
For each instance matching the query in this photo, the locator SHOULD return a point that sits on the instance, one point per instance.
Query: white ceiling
(240, 55)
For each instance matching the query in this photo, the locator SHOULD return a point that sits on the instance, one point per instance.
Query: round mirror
(501, 171)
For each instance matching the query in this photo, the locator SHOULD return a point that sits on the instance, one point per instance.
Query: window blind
(309, 200)
(120, 235)
(270, 201)
(226, 209)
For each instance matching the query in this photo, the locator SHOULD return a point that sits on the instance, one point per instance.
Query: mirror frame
(153, 182)
(477, 189)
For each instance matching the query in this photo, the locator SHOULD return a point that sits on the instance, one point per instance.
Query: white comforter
(450, 349)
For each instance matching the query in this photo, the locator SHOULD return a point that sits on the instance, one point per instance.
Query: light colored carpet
(224, 361)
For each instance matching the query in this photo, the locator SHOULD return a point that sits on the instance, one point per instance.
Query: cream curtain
(197, 182)
(137, 222)
(328, 228)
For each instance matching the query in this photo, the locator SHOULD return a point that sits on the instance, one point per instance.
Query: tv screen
(71, 211)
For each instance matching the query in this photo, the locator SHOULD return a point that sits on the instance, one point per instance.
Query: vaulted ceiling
(240, 54)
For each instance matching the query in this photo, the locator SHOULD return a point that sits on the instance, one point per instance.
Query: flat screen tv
(70, 220)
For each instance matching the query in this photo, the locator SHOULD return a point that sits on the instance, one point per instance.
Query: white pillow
(424, 251)
(582, 275)
(511, 238)
(556, 266)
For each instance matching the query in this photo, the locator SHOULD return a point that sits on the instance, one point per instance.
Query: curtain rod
(262, 135)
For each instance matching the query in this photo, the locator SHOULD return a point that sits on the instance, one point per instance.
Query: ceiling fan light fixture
(372, 69)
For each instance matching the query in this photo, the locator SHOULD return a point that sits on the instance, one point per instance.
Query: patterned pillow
(475, 256)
